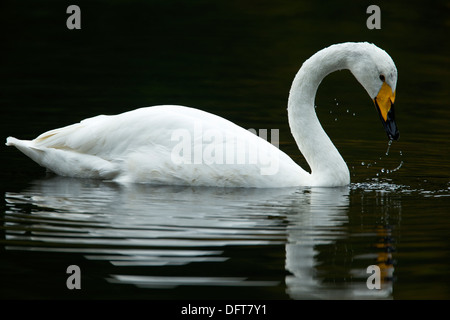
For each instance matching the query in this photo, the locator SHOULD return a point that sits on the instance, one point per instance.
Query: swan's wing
(77, 137)
(105, 136)
(111, 136)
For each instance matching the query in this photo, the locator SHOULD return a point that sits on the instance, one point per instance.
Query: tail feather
(11, 141)
(66, 162)
(26, 147)
(19, 144)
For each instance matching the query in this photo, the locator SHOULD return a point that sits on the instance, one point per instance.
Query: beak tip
(395, 136)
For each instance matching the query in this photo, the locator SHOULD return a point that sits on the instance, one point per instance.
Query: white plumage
(176, 145)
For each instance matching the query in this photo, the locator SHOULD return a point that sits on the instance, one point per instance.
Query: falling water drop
(389, 146)
(398, 167)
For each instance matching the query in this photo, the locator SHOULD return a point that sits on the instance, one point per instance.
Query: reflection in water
(173, 226)
(320, 224)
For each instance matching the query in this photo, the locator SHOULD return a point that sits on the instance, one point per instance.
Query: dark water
(236, 60)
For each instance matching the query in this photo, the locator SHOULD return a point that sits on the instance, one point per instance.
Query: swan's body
(177, 145)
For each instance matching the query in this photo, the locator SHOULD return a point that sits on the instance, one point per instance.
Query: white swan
(177, 145)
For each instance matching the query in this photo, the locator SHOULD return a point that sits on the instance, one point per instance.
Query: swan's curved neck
(328, 168)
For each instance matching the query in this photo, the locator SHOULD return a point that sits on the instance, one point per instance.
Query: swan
(178, 145)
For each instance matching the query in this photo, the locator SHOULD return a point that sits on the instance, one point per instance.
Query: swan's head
(376, 71)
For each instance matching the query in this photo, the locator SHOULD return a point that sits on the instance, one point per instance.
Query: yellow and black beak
(384, 102)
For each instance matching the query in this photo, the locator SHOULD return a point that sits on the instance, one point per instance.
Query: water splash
(383, 166)
(340, 111)
(387, 186)
(399, 166)
(379, 186)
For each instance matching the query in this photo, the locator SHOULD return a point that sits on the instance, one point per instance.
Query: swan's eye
(382, 77)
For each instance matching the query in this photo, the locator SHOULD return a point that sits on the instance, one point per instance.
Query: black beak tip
(394, 136)
(390, 126)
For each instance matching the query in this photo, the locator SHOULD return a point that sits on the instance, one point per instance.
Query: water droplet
(401, 153)
(362, 163)
(335, 119)
(331, 111)
(382, 170)
(398, 167)
(354, 114)
(389, 146)
(348, 111)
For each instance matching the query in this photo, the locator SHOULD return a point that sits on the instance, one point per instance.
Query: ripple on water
(388, 186)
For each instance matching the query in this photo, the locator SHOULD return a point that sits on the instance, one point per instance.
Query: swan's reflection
(141, 225)
(320, 224)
